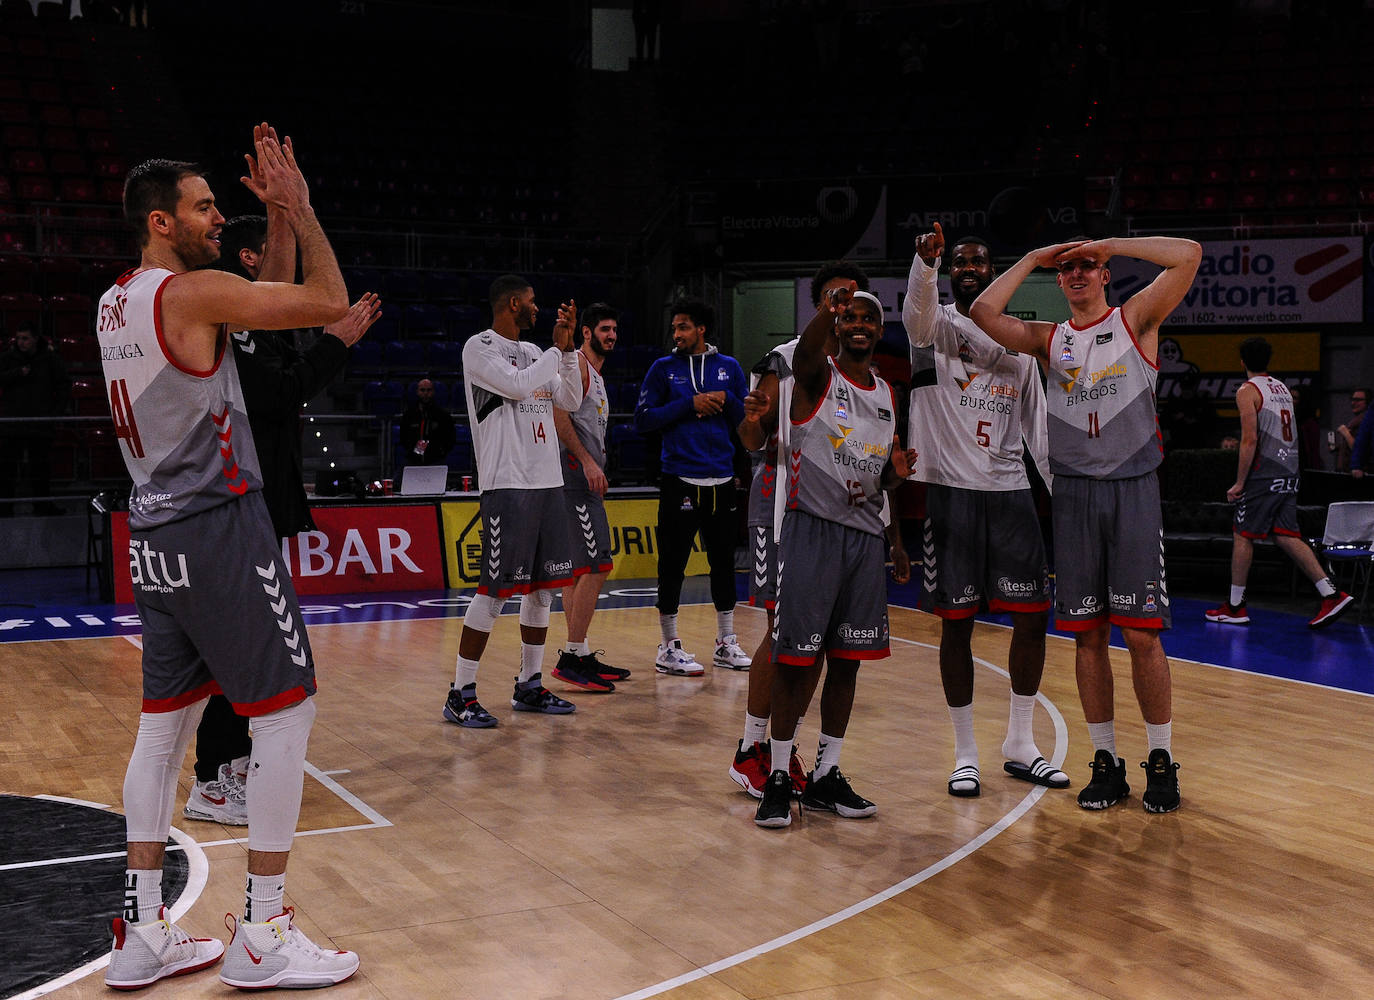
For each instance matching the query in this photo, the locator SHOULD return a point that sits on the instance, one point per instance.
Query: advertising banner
(634, 541)
(802, 220)
(355, 550)
(1014, 212)
(1261, 282)
(1208, 365)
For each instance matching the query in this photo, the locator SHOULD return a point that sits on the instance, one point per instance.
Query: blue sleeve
(1360, 454)
(656, 409)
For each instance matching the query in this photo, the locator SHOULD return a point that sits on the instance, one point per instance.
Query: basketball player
(759, 433)
(840, 457)
(582, 448)
(1104, 446)
(1266, 489)
(512, 388)
(973, 403)
(215, 598)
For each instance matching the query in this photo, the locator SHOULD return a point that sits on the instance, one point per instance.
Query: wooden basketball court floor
(606, 854)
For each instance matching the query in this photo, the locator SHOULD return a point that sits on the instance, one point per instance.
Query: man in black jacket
(427, 434)
(277, 380)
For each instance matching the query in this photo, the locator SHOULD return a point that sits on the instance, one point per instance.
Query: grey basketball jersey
(763, 489)
(589, 423)
(835, 457)
(1101, 402)
(184, 434)
(1276, 451)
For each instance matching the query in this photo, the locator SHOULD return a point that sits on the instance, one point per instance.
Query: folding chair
(1349, 541)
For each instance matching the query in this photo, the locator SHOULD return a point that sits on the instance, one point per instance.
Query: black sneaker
(1161, 783)
(593, 667)
(571, 670)
(1108, 784)
(832, 793)
(466, 710)
(775, 808)
(533, 696)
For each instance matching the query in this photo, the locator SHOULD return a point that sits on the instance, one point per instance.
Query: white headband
(871, 298)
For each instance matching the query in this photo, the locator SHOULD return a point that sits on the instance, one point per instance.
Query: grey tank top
(835, 457)
(589, 423)
(1100, 401)
(1276, 451)
(184, 434)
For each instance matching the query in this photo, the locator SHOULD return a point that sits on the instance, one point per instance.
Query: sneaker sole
(774, 822)
(288, 980)
(1228, 620)
(1099, 804)
(585, 684)
(520, 706)
(743, 781)
(189, 966)
(680, 672)
(1160, 809)
(470, 723)
(726, 664)
(1331, 615)
(839, 810)
(206, 817)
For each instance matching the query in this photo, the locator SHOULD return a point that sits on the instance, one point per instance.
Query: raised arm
(989, 309)
(198, 303)
(810, 364)
(921, 308)
(1151, 306)
(571, 384)
(279, 253)
(485, 365)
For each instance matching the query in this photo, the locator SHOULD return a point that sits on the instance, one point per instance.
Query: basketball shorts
(984, 547)
(525, 544)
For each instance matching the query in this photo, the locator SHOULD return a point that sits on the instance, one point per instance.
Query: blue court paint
(1275, 643)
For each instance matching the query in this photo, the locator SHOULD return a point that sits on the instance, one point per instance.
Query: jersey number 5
(122, 413)
(981, 435)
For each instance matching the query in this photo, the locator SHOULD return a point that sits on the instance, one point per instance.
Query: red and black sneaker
(593, 667)
(570, 670)
(797, 771)
(751, 767)
(1331, 608)
(1229, 614)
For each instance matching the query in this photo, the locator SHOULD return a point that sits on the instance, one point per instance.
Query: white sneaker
(145, 952)
(277, 953)
(223, 800)
(673, 659)
(729, 654)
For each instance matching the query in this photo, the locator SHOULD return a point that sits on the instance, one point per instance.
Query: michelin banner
(1262, 282)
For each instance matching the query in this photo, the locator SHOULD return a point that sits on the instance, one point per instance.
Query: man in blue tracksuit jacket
(693, 397)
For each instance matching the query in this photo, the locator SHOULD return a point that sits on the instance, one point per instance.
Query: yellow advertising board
(634, 541)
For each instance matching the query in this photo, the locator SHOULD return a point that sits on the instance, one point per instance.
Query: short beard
(597, 349)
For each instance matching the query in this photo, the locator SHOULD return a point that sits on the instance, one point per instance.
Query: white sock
(1159, 736)
(579, 648)
(755, 729)
(465, 675)
(531, 660)
(263, 898)
(1020, 741)
(1103, 735)
(1237, 596)
(725, 623)
(142, 894)
(1324, 587)
(782, 754)
(965, 746)
(667, 624)
(827, 755)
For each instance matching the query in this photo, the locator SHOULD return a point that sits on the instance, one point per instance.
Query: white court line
(1061, 742)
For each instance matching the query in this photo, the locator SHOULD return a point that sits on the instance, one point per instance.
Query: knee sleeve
(534, 608)
(150, 783)
(483, 612)
(276, 772)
